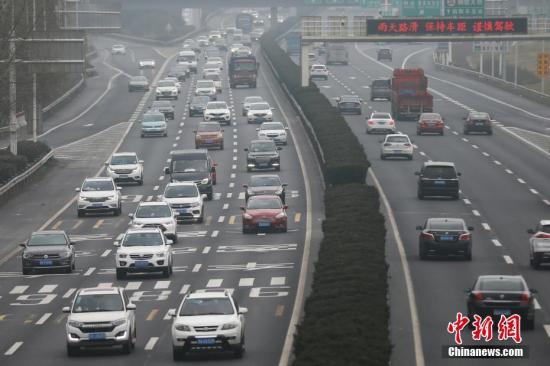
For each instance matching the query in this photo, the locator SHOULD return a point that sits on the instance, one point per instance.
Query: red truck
(243, 70)
(409, 95)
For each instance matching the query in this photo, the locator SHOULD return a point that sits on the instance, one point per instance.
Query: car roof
(49, 232)
(318, 65)
(153, 203)
(217, 101)
(445, 219)
(253, 96)
(430, 115)
(175, 184)
(202, 153)
(99, 179)
(154, 111)
(501, 277)
(124, 154)
(349, 96)
(397, 135)
(264, 176)
(544, 222)
(264, 197)
(439, 163)
(208, 295)
(143, 230)
(99, 290)
(261, 141)
(256, 103)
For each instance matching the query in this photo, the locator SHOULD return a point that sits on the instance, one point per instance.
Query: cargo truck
(243, 70)
(409, 94)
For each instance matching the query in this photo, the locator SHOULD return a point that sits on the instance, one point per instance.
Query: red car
(430, 123)
(263, 213)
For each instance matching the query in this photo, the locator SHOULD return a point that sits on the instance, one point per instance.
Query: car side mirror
(279, 148)
(257, 129)
(459, 174)
(464, 118)
(419, 227)
(222, 130)
(467, 290)
(131, 215)
(72, 243)
(141, 161)
(23, 245)
(272, 109)
(284, 184)
(246, 149)
(77, 189)
(285, 207)
(131, 306)
(245, 185)
(106, 163)
(493, 120)
(533, 291)
(416, 173)
(172, 313)
(166, 170)
(194, 131)
(116, 244)
(243, 208)
(169, 242)
(380, 141)
(203, 196)
(471, 228)
(530, 231)
(242, 310)
(66, 309)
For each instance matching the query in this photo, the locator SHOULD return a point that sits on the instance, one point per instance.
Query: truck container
(243, 70)
(336, 54)
(409, 95)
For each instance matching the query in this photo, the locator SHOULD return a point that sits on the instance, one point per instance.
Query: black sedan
(48, 250)
(263, 154)
(349, 104)
(138, 83)
(498, 295)
(164, 107)
(263, 184)
(445, 236)
(179, 71)
(197, 105)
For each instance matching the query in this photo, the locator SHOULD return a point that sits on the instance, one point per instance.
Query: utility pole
(12, 78)
(516, 63)
(542, 76)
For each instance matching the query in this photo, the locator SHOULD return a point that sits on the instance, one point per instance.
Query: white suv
(318, 71)
(396, 145)
(167, 89)
(155, 214)
(143, 250)
(99, 195)
(125, 167)
(275, 131)
(259, 112)
(208, 321)
(186, 200)
(100, 317)
(217, 111)
(206, 88)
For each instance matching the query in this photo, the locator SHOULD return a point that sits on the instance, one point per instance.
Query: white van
(188, 58)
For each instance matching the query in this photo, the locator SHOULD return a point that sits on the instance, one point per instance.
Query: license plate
(264, 224)
(45, 262)
(381, 123)
(182, 210)
(440, 182)
(502, 312)
(208, 141)
(263, 165)
(96, 336)
(97, 204)
(142, 263)
(446, 238)
(123, 175)
(206, 341)
(479, 124)
(396, 151)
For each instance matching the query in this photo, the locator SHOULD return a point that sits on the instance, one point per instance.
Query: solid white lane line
(508, 259)
(521, 181)
(476, 213)
(214, 282)
(496, 243)
(151, 343)
(89, 271)
(43, 319)
(162, 285)
(133, 286)
(197, 267)
(106, 252)
(18, 290)
(47, 289)
(184, 289)
(215, 233)
(546, 202)
(246, 282)
(486, 226)
(13, 348)
(467, 201)
(69, 292)
(277, 281)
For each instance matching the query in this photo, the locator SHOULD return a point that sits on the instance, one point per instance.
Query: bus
(337, 54)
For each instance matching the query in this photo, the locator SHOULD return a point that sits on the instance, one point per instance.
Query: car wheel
(72, 351)
(142, 135)
(120, 274)
(80, 213)
(69, 269)
(221, 147)
(248, 169)
(382, 156)
(171, 269)
(118, 211)
(165, 134)
(140, 182)
(466, 132)
(468, 254)
(245, 231)
(418, 133)
(420, 195)
(209, 196)
(490, 132)
(127, 346)
(442, 133)
(535, 262)
(422, 253)
(456, 196)
(410, 157)
(285, 228)
(26, 271)
(166, 272)
(239, 350)
(175, 98)
(178, 354)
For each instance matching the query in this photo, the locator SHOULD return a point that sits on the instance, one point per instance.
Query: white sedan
(318, 71)
(275, 131)
(147, 64)
(214, 62)
(259, 112)
(396, 145)
(381, 123)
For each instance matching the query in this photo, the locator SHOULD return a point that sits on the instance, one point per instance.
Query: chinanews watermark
(508, 328)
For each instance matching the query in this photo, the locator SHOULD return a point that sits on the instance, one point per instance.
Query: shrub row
(345, 159)
(346, 315)
(28, 153)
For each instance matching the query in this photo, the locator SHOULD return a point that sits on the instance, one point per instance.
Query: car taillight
(542, 235)
(465, 236)
(392, 122)
(428, 236)
(407, 145)
(524, 297)
(387, 144)
(478, 295)
(370, 122)
(439, 123)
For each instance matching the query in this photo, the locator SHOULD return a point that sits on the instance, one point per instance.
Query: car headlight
(158, 92)
(247, 216)
(280, 216)
(118, 322)
(75, 324)
(183, 328)
(122, 255)
(262, 134)
(195, 204)
(280, 191)
(205, 181)
(160, 254)
(167, 223)
(111, 197)
(26, 255)
(228, 326)
(65, 254)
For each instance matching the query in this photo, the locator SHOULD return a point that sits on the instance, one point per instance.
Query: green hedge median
(28, 153)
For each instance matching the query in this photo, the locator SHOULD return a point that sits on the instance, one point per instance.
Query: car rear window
(380, 116)
(443, 226)
(381, 83)
(402, 139)
(434, 172)
(498, 284)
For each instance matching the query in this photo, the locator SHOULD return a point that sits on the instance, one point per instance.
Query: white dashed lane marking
(486, 226)
(496, 243)
(508, 259)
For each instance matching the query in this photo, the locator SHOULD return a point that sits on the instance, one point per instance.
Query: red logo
(507, 327)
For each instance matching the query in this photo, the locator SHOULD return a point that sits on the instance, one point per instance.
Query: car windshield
(209, 127)
(272, 126)
(161, 103)
(124, 160)
(205, 84)
(215, 58)
(264, 181)
(435, 172)
(207, 306)
(249, 100)
(215, 77)
(430, 116)
(262, 146)
(380, 116)
(200, 100)
(381, 83)
(166, 83)
(142, 239)
(153, 117)
(98, 302)
(152, 212)
(318, 67)
(500, 284)
(479, 115)
(244, 66)
(217, 105)
(264, 203)
(259, 106)
(545, 228)
(186, 58)
(188, 166)
(446, 225)
(98, 185)
(183, 191)
(139, 78)
(47, 239)
(401, 139)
